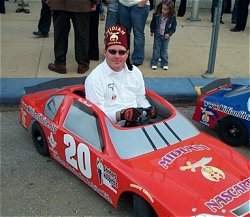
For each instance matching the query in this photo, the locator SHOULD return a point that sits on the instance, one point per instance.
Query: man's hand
(153, 112)
(131, 114)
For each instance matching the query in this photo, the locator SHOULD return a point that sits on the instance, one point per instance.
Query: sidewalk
(25, 56)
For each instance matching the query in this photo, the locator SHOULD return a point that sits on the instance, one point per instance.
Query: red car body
(176, 169)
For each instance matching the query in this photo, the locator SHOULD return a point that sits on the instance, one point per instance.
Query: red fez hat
(116, 35)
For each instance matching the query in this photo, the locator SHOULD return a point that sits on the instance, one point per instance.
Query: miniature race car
(166, 165)
(225, 107)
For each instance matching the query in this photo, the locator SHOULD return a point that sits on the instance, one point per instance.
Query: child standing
(162, 27)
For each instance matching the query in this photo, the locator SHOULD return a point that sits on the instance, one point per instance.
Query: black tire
(39, 139)
(233, 132)
(142, 208)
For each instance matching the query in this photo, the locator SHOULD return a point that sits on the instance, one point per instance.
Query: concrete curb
(176, 90)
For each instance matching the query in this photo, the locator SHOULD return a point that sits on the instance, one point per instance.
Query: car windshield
(132, 142)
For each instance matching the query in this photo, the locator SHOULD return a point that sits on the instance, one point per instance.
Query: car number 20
(82, 153)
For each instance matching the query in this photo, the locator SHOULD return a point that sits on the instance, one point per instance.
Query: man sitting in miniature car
(116, 87)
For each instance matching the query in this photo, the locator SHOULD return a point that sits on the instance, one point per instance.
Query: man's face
(116, 56)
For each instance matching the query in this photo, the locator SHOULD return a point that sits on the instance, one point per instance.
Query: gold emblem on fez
(114, 36)
(209, 172)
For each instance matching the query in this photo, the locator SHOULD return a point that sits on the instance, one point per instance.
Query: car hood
(202, 173)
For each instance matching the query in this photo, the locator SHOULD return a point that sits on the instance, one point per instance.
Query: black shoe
(222, 22)
(235, 29)
(41, 35)
(137, 64)
(19, 10)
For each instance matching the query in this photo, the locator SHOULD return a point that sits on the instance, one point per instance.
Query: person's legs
(234, 12)
(61, 21)
(139, 17)
(242, 12)
(164, 52)
(19, 6)
(125, 20)
(93, 35)
(182, 8)
(45, 19)
(26, 7)
(81, 28)
(156, 50)
(112, 19)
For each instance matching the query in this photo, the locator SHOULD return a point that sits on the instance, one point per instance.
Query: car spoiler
(214, 84)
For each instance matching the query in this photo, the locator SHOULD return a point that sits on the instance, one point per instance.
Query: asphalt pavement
(24, 57)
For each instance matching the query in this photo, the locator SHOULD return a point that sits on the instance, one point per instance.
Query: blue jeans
(135, 18)
(160, 50)
(111, 19)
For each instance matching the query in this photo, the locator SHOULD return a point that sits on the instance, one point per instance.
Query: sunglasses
(120, 52)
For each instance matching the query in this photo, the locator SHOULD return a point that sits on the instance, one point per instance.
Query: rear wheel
(233, 132)
(39, 139)
(142, 208)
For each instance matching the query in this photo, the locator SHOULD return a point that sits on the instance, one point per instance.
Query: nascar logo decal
(228, 196)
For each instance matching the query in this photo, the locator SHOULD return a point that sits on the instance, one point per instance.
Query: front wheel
(142, 208)
(39, 139)
(233, 132)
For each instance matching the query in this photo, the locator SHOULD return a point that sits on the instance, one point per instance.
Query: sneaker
(159, 60)
(165, 67)
(154, 67)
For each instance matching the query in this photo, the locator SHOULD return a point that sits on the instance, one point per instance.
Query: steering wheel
(142, 120)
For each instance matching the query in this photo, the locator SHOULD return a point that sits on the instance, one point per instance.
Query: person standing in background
(44, 21)
(182, 8)
(2, 6)
(242, 13)
(214, 5)
(234, 12)
(162, 27)
(76, 11)
(133, 15)
(93, 33)
(23, 6)
(112, 13)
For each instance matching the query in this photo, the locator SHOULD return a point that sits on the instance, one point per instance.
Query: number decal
(83, 155)
(84, 165)
(70, 151)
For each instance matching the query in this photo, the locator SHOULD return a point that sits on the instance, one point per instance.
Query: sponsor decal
(23, 118)
(228, 110)
(209, 172)
(106, 176)
(143, 190)
(229, 195)
(39, 117)
(206, 115)
(52, 140)
(84, 179)
(170, 157)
